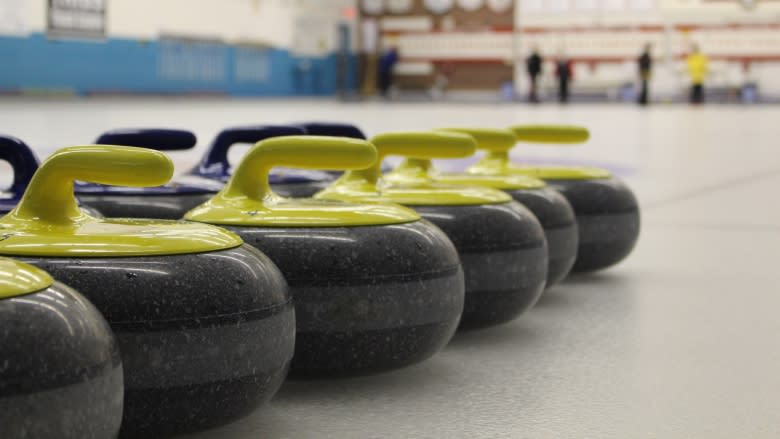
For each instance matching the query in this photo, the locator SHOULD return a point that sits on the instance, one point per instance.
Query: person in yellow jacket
(697, 70)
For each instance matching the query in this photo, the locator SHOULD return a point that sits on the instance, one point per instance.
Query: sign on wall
(77, 18)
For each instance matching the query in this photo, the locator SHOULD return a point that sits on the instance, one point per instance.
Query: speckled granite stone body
(205, 338)
(367, 299)
(60, 369)
(144, 206)
(608, 220)
(560, 228)
(504, 256)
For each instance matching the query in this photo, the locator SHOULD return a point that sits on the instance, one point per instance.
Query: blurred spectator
(387, 63)
(439, 87)
(564, 72)
(697, 70)
(534, 66)
(645, 64)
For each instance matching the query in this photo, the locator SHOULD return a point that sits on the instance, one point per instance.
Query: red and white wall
(604, 38)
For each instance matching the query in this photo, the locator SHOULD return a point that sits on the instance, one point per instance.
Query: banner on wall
(192, 58)
(77, 18)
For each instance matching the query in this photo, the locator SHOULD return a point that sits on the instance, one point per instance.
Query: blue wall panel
(130, 66)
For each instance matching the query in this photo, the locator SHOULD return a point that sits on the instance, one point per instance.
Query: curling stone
(168, 201)
(61, 375)
(23, 163)
(173, 200)
(335, 129)
(286, 182)
(332, 129)
(375, 287)
(607, 212)
(501, 244)
(548, 205)
(205, 324)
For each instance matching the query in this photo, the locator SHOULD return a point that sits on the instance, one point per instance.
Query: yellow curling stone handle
(49, 197)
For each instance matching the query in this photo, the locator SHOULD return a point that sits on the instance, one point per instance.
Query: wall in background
(38, 64)
(288, 47)
(258, 21)
(605, 37)
(452, 44)
(241, 47)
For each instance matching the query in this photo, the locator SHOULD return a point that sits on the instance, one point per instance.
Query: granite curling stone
(375, 287)
(335, 129)
(286, 182)
(205, 324)
(500, 243)
(550, 207)
(607, 212)
(332, 129)
(23, 163)
(61, 374)
(168, 201)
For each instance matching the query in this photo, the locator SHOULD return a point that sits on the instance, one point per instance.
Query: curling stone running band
(500, 243)
(204, 323)
(375, 287)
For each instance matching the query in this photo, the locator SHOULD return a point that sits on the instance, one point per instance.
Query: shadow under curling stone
(555, 297)
(574, 290)
(399, 383)
(272, 419)
(507, 335)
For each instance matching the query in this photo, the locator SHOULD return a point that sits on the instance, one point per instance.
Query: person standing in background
(645, 63)
(387, 63)
(697, 70)
(534, 66)
(563, 70)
